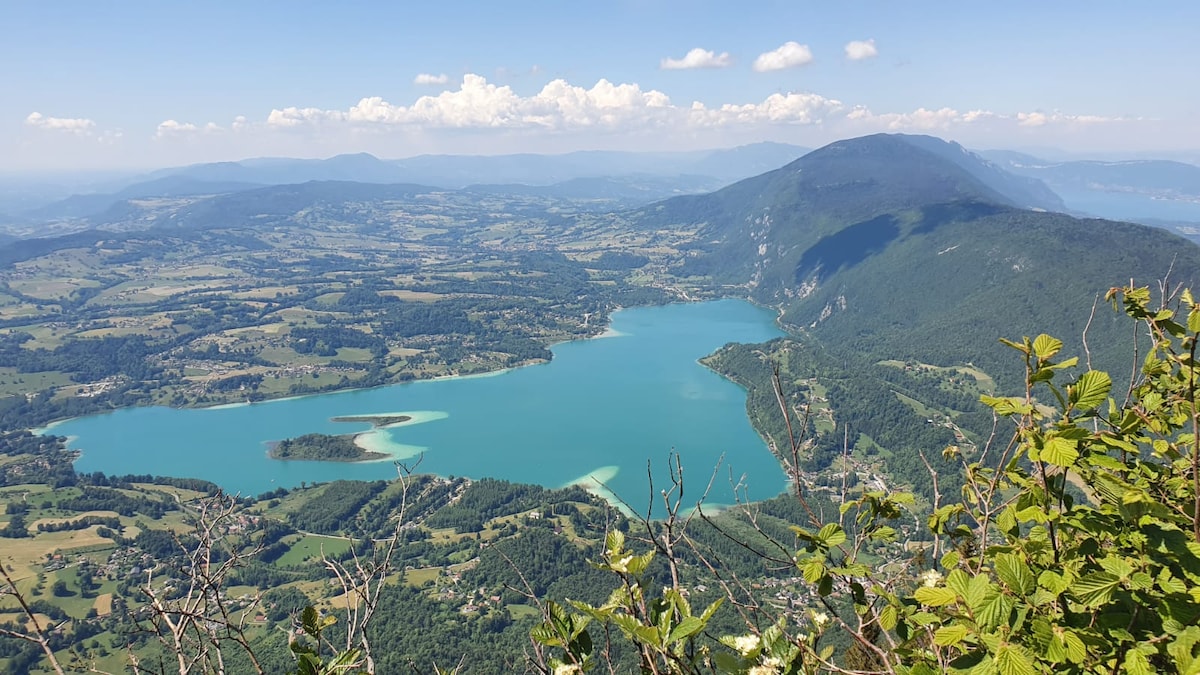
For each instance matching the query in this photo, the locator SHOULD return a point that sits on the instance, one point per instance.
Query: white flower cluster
(770, 666)
(745, 643)
(931, 578)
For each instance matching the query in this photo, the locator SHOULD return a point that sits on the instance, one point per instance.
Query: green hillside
(885, 246)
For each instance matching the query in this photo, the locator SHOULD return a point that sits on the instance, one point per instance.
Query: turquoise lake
(600, 409)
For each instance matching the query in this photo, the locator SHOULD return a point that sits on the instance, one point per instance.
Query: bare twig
(38, 635)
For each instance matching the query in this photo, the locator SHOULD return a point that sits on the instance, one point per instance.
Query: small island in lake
(375, 420)
(323, 447)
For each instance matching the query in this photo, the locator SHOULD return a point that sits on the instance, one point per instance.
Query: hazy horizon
(1185, 155)
(142, 85)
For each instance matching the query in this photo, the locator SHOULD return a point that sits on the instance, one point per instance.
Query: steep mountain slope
(1025, 191)
(759, 228)
(882, 246)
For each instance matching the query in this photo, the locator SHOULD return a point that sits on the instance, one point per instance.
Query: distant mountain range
(456, 171)
(620, 179)
(1157, 192)
(1154, 192)
(1150, 177)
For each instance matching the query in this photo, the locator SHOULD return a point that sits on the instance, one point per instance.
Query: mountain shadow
(847, 248)
(934, 216)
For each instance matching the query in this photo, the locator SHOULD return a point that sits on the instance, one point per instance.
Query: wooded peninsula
(323, 447)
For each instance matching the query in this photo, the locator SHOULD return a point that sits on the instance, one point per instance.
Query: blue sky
(141, 84)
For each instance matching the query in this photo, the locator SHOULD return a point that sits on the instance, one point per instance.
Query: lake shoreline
(544, 428)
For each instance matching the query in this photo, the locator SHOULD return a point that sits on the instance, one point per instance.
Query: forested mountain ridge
(884, 245)
(749, 227)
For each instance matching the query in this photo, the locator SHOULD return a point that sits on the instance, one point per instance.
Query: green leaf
(1045, 347)
(1069, 363)
(615, 542)
(979, 590)
(1052, 582)
(1095, 589)
(546, 635)
(935, 596)
(638, 563)
(1090, 390)
(712, 609)
(308, 620)
(343, 661)
(1059, 451)
(825, 586)
(689, 626)
(1023, 348)
(1007, 520)
(1076, 650)
(1011, 660)
(1193, 322)
(882, 533)
(1136, 663)
(1116, 566)
(948, 636)
(1007, 405)
(924, 618)
(1183, 650)
(958, 581)
(832, 535)
(888, 617)
(993, 611)
(1015, 573)
(814, 570)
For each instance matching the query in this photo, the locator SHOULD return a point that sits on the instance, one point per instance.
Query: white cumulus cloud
(560, 111)
(427, 78)
(793, 108)
(858, 50)
(921, 119)
(789, 55)
(176, 129)
(560, 106)
(168, 128)
(925, 119)
(698, 58)
(479, 104)
(1041, 119)
(78, 125)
